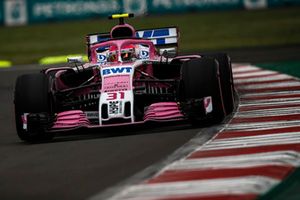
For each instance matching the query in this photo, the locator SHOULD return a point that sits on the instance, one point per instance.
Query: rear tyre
(200, 78)
(226, 78)
(32, 96)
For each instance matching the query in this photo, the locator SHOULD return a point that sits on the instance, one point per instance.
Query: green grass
(199, 31)
(286, 67)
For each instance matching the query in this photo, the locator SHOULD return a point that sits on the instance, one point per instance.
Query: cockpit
(112, 52)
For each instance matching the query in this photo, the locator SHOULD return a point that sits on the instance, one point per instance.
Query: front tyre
(32, 99)
(226, 79)
(200, 78)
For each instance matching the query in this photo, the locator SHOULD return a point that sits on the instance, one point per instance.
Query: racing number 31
(115, 95)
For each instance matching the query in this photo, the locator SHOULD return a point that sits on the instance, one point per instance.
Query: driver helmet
(113, 54)
(128, 52)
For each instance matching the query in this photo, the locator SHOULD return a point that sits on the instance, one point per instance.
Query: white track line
(268, 78)
(269, 102)
(259, 73)
(270, 85)
(269, 112)
(282, 158)
(262, 125)
(253, 141)
(270, 93)
(245, 68)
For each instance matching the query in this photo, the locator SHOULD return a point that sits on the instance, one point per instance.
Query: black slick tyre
(201, 79)
(31, 96)
(226, 78)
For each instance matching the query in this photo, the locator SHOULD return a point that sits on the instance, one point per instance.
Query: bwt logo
(116, 70)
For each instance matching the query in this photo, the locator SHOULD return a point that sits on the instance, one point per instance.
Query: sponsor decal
(153, 33)
(116, 70)
(122, 85)
(101, 58)
(90, 96)
(208, 105)
(115, 107)
(92, 114)
(24, 120)
(144, 54)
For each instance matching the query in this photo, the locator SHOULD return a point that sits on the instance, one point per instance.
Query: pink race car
(132, 77)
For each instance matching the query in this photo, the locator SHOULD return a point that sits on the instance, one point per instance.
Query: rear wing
(165, 39)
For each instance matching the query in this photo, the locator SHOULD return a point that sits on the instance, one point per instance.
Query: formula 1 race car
(132, 77)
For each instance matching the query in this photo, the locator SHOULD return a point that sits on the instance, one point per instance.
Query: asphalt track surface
(82, 165)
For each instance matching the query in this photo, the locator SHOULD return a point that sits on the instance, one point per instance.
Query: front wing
(156, 112)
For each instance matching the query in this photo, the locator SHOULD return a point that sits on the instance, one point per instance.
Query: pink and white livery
(132, 77)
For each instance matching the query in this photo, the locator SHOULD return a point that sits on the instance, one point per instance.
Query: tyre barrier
(252, 154)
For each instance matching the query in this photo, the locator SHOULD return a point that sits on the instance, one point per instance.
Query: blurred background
(33, 30)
